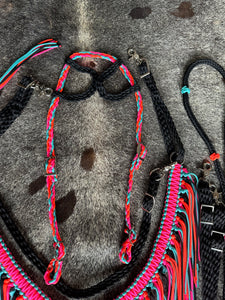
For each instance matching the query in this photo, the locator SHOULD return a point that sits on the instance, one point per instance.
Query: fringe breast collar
(171, 270)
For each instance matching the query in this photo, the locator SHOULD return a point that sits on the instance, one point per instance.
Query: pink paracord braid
(18, 276)
(55, 265)
(155, 258)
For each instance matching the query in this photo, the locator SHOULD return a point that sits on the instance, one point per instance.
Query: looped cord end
(54, 270)
(125, 252)
(214, 156)
(185, 89)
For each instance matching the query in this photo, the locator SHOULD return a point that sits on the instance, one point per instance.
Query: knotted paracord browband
(53, 272)
(212, 210)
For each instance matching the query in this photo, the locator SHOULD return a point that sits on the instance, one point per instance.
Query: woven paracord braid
(112, 279)
(53, 272)
(195, 122)
(212, 243)
(210, 259)
(172, 140)
(97, 83)
(15, 107)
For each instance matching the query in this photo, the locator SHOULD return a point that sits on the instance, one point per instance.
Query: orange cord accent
(146, 296)
(214, 156)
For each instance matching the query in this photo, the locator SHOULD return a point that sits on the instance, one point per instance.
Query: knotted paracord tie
(53, 272)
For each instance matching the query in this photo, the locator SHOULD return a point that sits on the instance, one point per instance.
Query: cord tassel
(39, 49)
(176, 249)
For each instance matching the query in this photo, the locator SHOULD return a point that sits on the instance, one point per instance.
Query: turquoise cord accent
(185, 89)
(27, 55)
(157, 292)
(89, 52)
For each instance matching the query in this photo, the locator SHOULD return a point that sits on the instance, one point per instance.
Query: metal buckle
(219, 233)
(212, 208)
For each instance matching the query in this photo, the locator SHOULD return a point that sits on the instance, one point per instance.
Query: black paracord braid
(210, 263)
(195, 122)
(112, 279)
(168, 129)
(212, 215)
(97, 84)
(15, 107)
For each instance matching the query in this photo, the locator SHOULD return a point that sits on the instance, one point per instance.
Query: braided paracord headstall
(212, 204)
(7, 116)
(53, 272)
(174, 258)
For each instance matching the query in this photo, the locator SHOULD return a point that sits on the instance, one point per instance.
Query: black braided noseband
(97, 83)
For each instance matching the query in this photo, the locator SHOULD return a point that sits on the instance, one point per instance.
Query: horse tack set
(192, 222)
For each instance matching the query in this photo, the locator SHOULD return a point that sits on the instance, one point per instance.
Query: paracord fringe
(40, 48)
(53, 272)
(176, 249)
(14, 280)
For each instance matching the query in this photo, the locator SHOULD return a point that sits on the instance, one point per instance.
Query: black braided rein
(212, 212)
(195, 122)
(172, 140)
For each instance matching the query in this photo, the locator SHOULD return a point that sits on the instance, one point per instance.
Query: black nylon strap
(211, 259)
(172, 140)
(15, 107)
(97, 83)
(212, 213)
(148, 202)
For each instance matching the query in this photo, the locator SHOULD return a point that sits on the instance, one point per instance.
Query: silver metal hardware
(220, 233)
(139, 60)
(38, 88)
(163, 171)
(153, 198)
(208, 206)
(212, 211)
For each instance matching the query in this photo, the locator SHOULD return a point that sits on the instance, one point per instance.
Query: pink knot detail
(125, 252)
(53, 273)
